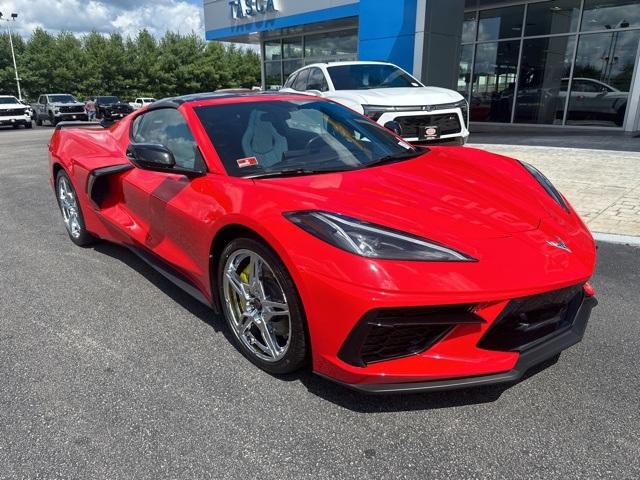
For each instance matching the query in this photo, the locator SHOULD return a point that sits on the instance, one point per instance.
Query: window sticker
(247, 162)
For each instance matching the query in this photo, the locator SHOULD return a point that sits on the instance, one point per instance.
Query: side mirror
(394, 127)
(151, 156)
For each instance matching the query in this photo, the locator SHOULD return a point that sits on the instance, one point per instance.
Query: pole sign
(249, 8)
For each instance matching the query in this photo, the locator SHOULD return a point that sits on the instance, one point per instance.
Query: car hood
(12, 106)
(447, 194)
(405, 96)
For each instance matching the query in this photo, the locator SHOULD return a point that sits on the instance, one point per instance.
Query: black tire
(274, 306)
(52, 120)
(71, 211)
(38, 121)
(28, 125)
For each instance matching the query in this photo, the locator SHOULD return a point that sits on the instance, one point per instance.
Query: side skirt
(171, 274)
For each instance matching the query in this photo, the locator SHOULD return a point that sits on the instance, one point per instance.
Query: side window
(42, 100)
(169, 128)
(301, 81)
(317, 81)
(290, 80)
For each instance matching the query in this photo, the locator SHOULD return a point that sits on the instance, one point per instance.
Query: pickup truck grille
(13, 111)
(73, 109)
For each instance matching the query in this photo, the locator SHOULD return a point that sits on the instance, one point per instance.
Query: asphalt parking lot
(108, 371)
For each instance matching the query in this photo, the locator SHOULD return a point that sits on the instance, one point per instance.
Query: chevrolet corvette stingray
(328, 241)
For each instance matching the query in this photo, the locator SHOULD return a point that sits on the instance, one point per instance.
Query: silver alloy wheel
(69, 207)
(256, 306)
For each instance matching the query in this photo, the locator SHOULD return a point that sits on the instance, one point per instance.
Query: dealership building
(530, 62)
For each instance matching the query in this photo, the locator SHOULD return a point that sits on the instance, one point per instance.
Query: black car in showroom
(111, 108)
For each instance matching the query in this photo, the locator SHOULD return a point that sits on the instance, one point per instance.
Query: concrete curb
(623, 239)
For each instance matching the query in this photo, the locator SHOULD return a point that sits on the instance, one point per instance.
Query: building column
(387, 31)
(438, 42)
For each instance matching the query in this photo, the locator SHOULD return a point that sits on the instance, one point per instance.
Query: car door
(169, 208)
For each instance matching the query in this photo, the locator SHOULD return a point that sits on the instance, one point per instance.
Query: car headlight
(546, 184)
(464, 108)
(374, 112)
(370, 240)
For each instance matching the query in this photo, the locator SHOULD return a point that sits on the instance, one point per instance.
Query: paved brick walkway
(602, 185)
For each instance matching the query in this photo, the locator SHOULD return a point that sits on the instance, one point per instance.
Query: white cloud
(126, 17)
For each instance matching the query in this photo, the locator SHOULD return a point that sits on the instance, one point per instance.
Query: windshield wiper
(293, 172)
(393, 158)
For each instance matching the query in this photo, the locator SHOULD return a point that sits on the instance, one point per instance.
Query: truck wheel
(28, 124)
(38, 121)
(53, 120)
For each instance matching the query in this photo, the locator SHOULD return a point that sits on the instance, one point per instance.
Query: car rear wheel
(262, 306)
(71, 211)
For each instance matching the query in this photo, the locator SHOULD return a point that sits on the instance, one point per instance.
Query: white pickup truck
(141, 102)
(14, 113)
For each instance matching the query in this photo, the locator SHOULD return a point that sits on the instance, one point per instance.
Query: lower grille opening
(386, 343)
(448, 123)
(528, 321)
(391, 333)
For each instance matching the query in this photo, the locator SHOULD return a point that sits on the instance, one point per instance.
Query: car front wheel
(262, 306)
(71, 211)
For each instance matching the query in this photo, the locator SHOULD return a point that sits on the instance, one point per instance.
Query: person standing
(90, 108)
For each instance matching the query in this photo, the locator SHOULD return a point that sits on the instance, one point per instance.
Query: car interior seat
(262, 140)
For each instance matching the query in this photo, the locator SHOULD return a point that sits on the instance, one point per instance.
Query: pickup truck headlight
(370, 240)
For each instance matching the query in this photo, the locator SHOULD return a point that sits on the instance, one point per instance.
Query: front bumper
(450, 126)
(71, 117)
(15, 120)
(528, 358)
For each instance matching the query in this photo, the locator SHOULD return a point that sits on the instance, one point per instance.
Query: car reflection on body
(326, 240)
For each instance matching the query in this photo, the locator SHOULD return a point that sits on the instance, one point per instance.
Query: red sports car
(326, 239)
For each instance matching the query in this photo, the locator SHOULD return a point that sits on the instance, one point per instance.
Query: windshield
(370, 75)
(108, 100)
(297, 137)
(8, 100)
(62, 99)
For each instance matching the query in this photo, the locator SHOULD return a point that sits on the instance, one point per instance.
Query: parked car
(111, 108)
(325, 239)
(592, 99)
(56, 107)
(13, 112)
(386, 93)
(140, 102)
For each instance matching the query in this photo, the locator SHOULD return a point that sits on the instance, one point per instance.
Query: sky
(126, 17)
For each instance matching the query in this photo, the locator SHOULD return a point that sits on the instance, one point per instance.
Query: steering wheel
(315, 143)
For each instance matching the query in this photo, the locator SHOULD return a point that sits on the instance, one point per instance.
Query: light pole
(611, 57)
(15, 67)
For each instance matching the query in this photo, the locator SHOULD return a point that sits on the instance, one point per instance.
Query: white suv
(386, 93)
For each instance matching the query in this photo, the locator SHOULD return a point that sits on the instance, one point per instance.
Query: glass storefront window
(272, 50)
(290, 66)
(494, 77)
(469, 27)
(499, 23)
(602, 78)
(292, 47)
(273, 75)
(331, 44)
(607, 14)
(541, 93)
(555, 16)
(464, 77)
